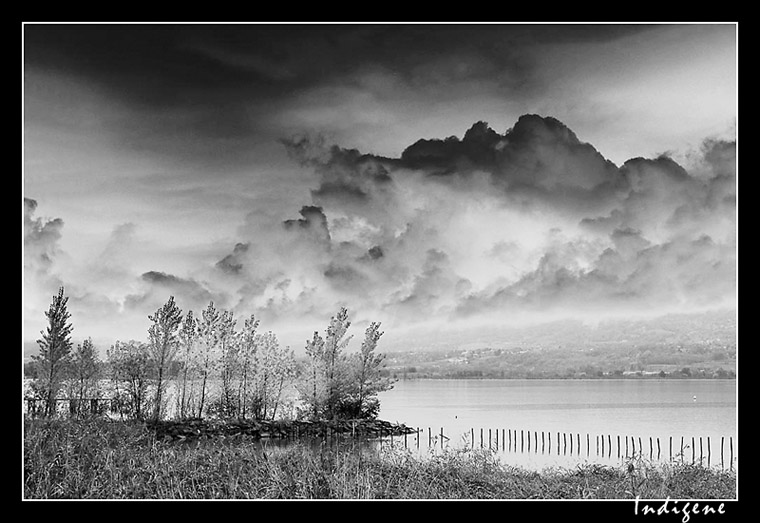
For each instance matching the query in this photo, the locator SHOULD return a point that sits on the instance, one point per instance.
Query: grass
(108, 460)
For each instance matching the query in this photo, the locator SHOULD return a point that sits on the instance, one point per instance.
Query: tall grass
(111, 460)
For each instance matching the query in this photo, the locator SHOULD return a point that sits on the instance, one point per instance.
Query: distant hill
(674, 346)
(718, 327)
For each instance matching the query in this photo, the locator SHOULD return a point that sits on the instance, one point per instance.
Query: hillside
(695, 345)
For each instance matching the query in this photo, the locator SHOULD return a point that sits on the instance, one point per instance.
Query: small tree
(275, 368)
(366, 377)
(129, 365)
(188, 336)
(335, 369)
(55, 352)
(83, 375)
(208, 337)
(312, 384)
(247, 349)
(164, 344)
(284, 373)
(229, 364)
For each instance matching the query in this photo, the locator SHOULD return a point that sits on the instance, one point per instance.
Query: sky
(431, 177)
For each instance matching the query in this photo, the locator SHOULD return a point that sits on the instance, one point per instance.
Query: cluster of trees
(336, 385)
(214, 369)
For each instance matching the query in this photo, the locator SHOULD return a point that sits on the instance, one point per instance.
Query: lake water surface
(572, 412)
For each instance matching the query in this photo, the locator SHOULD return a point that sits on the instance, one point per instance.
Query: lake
(634, 410)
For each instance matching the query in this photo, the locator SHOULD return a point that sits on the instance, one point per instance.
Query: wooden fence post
(721, 451)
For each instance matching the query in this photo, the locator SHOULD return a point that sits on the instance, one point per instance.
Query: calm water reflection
(594, 412)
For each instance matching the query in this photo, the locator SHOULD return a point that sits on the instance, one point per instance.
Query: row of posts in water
(571, 444)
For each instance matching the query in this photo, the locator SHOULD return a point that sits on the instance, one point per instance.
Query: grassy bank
(98, 460)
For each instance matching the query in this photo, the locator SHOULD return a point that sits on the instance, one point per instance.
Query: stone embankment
(262, 429)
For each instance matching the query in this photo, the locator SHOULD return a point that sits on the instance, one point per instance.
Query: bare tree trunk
(184, 390)
(203, 394)
(159, 386)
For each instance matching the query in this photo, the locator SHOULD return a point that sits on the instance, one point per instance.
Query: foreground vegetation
(97, 459)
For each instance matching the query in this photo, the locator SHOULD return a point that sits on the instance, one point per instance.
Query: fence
(35, 407)
(573, 444)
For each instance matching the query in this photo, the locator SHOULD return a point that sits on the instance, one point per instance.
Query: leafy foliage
(83, 373)
(55, 352)
(338, 386)
(164, 344)
(130, 373)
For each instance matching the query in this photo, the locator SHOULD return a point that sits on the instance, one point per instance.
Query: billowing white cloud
(490, 227)
(531, 220)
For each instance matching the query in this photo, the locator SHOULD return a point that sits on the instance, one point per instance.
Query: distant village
(709, 360)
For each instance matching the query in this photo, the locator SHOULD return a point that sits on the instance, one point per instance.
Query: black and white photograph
(381, 261)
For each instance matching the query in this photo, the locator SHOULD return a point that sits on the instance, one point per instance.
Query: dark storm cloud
(539, 160)
(345, 174)
(374, 253)
(206, 91)
(158, 286)
(233, 263)
(313, 222)
(538, 156)
(160, 64)
(345, 277)
(40, 239)
(171, 281)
